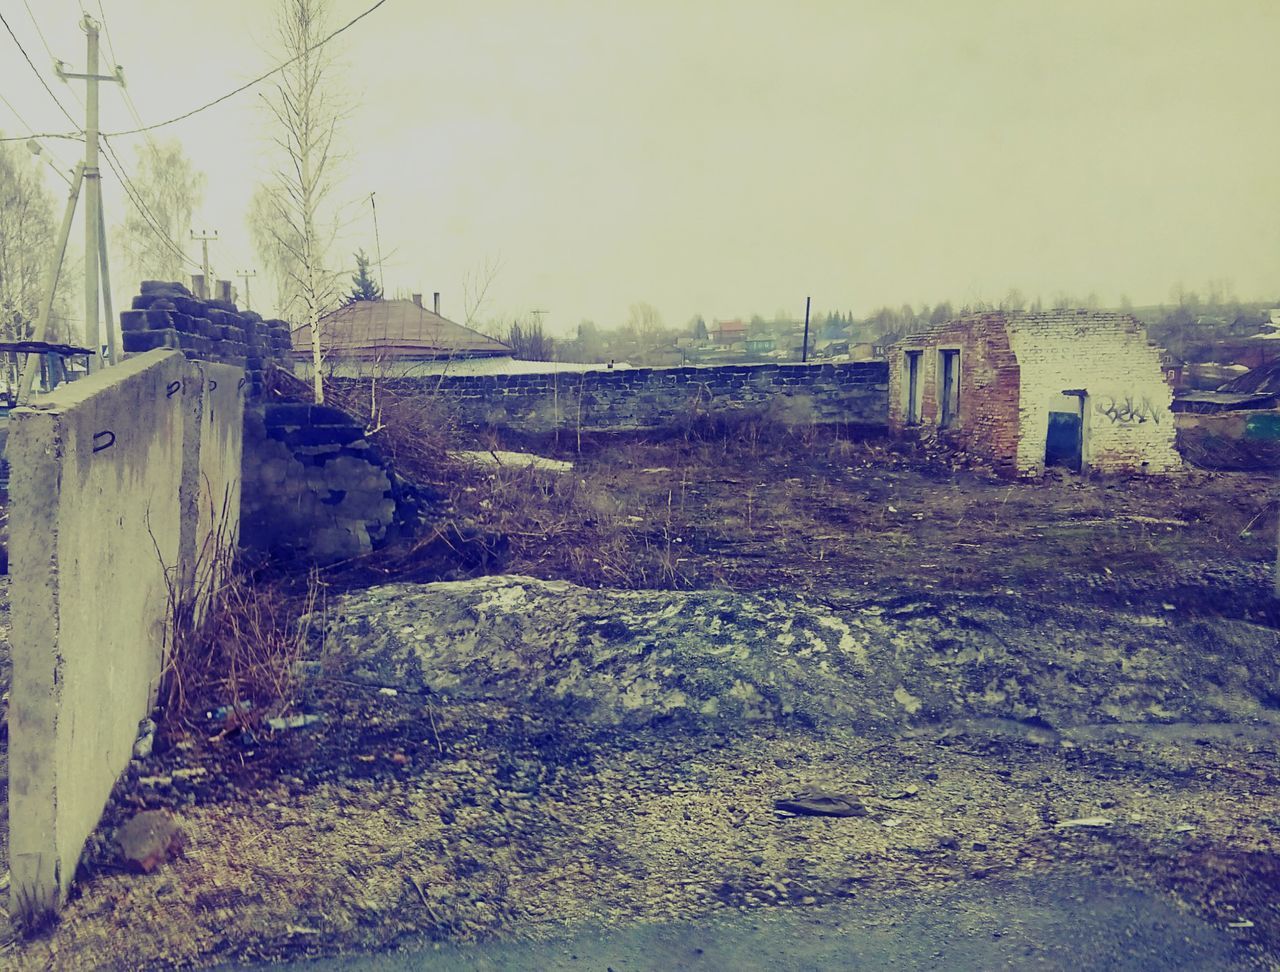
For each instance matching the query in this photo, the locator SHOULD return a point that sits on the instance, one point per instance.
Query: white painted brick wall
(1128, 424)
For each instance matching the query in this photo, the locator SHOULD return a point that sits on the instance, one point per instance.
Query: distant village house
(392, 338)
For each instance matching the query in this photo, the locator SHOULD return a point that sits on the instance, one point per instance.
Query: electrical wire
(47, 49)
(135, 197)
(36, 71)
(258, 80)
(194, 111)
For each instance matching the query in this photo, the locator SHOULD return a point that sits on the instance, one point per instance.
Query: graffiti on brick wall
(1127, 410)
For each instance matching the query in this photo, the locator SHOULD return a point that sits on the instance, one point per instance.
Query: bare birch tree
(172, 189)
(289, 219)
(28, 231)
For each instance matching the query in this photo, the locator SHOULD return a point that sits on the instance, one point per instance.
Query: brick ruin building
(1083, 389)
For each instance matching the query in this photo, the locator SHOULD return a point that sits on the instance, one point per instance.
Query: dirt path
(1056, 922)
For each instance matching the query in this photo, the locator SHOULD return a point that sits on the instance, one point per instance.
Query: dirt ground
(813, 510)
(400, 818)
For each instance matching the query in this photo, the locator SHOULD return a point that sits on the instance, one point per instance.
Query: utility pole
(246, 276)
(93, 233)
(204, 239)
(804, 350)
(32, 362)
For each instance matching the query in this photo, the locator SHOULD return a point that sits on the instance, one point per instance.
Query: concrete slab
(102, 501)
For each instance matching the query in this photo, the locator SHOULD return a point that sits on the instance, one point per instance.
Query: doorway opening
(949, 387)
(1064, 439)
(914, 387)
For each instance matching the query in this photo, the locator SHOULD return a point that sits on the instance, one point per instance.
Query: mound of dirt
(632, 659)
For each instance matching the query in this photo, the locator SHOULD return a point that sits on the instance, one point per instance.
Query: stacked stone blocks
(314, 487)
(167, 315)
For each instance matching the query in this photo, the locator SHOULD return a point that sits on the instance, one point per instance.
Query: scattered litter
(388, 692)
(819, 803)
(1242, 923)
(1184, 828)
(146, 739)
(294, 722)
(1085, 822)
(893, 509)
(657, 469)
(1169, 607)
(225, 711)
(636, 519)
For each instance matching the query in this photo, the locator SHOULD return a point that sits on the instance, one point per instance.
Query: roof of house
(368, 329)
(730, 326)
(1264, 380)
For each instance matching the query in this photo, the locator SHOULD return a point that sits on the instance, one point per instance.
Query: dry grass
(230, 640)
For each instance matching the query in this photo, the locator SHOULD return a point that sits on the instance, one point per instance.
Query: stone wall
(109, 476)
(654, 398)
(315, 489)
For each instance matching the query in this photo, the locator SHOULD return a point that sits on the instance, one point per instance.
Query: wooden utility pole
(94, 236)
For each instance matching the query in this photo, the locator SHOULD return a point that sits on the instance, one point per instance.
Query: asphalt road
(1071, 923)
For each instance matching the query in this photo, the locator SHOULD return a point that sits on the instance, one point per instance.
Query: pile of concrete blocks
(166, 315)
(316, 489)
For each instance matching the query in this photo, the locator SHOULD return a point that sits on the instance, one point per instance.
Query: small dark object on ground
(149, 839)
(818, 803)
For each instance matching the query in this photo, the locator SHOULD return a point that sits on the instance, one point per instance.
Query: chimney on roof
(435, 301)
(417, 299)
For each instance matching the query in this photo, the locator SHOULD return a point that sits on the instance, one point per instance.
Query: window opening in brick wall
(914, 387)
(949, 387)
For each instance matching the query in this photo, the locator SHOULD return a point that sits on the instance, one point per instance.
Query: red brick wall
(987, 420)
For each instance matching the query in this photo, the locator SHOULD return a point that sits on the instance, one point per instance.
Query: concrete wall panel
(101, 506)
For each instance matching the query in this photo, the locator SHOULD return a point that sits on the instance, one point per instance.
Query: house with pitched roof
(392, 338)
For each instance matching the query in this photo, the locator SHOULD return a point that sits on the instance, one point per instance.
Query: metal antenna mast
(377, 241)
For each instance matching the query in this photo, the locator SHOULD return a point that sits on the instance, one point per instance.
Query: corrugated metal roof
(368, 329)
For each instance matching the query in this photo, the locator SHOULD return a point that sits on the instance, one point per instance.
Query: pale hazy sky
(727, 158)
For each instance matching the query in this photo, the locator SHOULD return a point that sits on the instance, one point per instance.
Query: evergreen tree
(363, 286)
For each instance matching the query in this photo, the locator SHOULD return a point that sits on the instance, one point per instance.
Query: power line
(135, 197)
(78, 137)
(16, 113)
(36, 71)
(47, 49)
(258, 80)
(153, 224)
(124, 87)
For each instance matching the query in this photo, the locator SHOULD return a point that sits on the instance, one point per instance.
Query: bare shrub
(230, 641)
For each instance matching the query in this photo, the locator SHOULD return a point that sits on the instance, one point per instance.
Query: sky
(731, 158)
